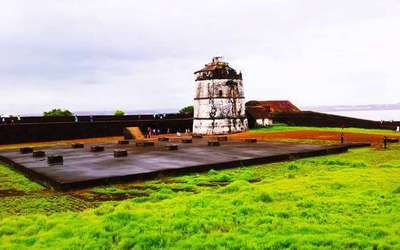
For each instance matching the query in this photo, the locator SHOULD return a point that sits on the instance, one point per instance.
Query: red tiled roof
(217, 69)
(214, 66)
(274, 106)
(258, 112)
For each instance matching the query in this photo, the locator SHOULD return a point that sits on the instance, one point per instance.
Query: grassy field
(280, 127)
(346, 201)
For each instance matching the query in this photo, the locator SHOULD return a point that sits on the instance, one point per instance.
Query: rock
(55, 159)
(213, 143)
(77, 145)
(123, 142)
(38, 154)
(145, 143)
(172, 147)
(97, 148)
(26, 150)
(120, 153)
(187, 140)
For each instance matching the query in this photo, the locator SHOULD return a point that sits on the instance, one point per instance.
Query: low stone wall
(315, 119)
(94, 118)
(19, 132)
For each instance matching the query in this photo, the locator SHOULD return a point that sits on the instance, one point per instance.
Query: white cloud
(103, 55)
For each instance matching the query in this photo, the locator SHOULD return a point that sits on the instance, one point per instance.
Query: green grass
(10, 179)
(345, 201)
(20, 196)
(280, 127)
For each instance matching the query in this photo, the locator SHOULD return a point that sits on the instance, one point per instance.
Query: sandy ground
(330, 136)
(84, 141)
(375, 140)
(61, 142)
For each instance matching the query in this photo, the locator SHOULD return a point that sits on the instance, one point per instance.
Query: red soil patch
(375, 140)
(61, 142)
(11, 192)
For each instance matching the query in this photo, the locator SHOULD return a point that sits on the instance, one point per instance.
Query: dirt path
(62, 142)
(375, 140)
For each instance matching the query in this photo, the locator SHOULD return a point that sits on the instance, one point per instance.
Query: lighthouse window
(220, 93)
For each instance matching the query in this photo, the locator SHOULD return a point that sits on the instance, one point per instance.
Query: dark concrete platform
(83, 168)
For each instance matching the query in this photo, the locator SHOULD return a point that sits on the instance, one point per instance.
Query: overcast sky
(107, 55)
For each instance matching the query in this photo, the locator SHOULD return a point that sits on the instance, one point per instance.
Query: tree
(58, 112)
(187, 110)
(119, 113)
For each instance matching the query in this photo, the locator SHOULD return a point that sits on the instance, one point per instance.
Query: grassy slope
(349, 200)
(20, 196)
(283, 127)
(341, 201)
(9, 179)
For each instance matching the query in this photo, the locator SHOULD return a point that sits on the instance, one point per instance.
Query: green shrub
(223, 178)
(57, 112)
(247, 175)
(264, 197)
(235, 186)
(340, 163)
(292, 166)
(187, 110)
(291, 176)
(119, 113)
(212, 172)
(336, 186)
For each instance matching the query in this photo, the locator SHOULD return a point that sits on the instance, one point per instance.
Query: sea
(375, 115)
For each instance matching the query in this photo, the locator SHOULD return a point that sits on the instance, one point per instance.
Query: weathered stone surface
(222, 138)
(120, 153)
(219, 104)
(123, 142)
(145, 143)
(97, 148)
(84, 169)
(187, 140)
(172, 147)
(26, 150)
(55, 159)
(250, 140)
(213, 143)
(39, 154)
(77, 145)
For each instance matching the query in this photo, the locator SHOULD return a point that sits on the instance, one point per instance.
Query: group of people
(159, 116)
(11, 119)
(76, 118)
(153, 131)
(150, 132)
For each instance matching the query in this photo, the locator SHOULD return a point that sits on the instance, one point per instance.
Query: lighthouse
(219, 104)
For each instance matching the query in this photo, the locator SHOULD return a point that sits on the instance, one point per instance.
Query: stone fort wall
(36, 129)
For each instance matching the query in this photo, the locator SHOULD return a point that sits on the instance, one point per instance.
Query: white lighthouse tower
(219, 104)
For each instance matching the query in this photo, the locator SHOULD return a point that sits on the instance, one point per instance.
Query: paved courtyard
(82, 168)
